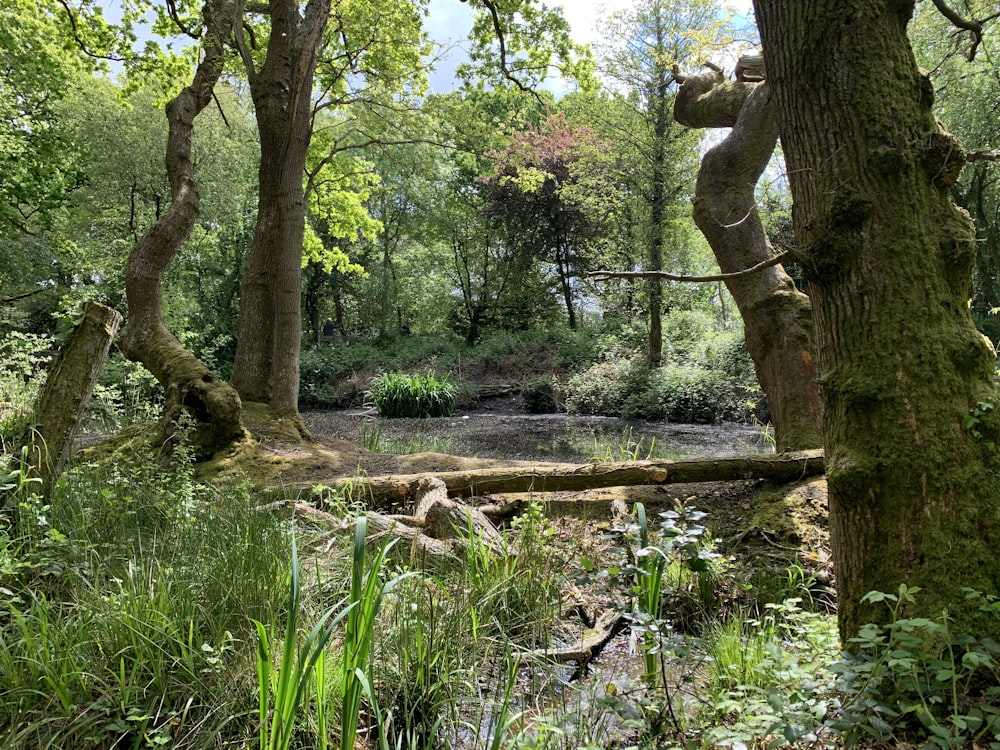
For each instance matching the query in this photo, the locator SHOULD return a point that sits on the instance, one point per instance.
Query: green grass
(143, 608)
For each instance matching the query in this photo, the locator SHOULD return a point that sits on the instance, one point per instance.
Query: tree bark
(784, 467)
(910, 423)
(266, 367)
(67, 392)
(776, 316)
(188, 384)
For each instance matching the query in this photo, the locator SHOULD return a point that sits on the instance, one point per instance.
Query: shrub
(695, 395)
(396, 394)
(23, 359)
(600, 389)
(915, 680)
(676, 393)
(541, 396)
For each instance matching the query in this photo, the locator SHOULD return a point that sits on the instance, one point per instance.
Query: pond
(546, 437)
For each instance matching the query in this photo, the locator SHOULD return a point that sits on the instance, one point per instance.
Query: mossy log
(782, 467)
(67, 390)
(590, 644)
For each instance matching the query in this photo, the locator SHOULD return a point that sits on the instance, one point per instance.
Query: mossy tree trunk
(188, 384)
(776, 316)
(910, 427)
(266, 368)
(67, 390)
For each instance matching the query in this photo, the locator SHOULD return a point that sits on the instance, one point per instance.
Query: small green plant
(364, 601)
(396, 394)
(371, 436)
(650, 563)
(975, 422)
(913, 679)
(289, 686)
(627, 448)
(514, 594)
(769, 681)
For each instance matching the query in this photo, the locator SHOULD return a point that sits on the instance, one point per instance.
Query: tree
(188, 384)
(645, 44)
(37, 168)
(776, 316)
(538, 193)
(361, 45)
(966, 92)
(910, 423)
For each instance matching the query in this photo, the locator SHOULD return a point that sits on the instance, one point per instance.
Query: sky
(449, 21)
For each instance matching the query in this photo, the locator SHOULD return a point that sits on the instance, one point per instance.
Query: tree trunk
(189, 385)
(266, 367)
(784, 467)
(658, 202)
(67, 391)
(910, 423)
(776, 316)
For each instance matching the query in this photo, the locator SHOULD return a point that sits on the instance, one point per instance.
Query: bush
(24, 358)
(541, 396)
(676, 393)
(396, 394)
(695, 395)
(600, 389)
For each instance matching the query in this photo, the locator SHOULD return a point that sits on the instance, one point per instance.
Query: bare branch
(982, 156)
(974, 27)
(605, 275)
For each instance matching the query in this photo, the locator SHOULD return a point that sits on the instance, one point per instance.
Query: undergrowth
(143, 608)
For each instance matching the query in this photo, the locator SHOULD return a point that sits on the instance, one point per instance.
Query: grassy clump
(397, 394)
(127, 609)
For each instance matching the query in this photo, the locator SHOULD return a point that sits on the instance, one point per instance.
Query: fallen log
(415, 547)
(590, 644)
(782, 467)
(431, 538)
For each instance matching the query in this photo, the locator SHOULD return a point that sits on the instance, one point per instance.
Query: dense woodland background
(307, 217)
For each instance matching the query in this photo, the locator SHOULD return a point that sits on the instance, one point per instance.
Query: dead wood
(782, 467)
(433, 537)
(415, 547)
(66, 393)
(590, 644)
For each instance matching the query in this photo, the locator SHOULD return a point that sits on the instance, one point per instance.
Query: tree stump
(67, 390)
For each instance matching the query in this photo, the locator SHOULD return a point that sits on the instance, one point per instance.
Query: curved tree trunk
(776, 316)
(189, 385)
(266, 368)
(910, 420)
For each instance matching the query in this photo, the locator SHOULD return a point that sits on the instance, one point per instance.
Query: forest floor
(759, 524)
(764, 534)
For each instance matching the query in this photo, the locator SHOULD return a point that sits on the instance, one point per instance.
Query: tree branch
(22, 295)
(79, 40)
(605, 275)
(982, 156)
(175, 17)
(975, 27)
(498, 30)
